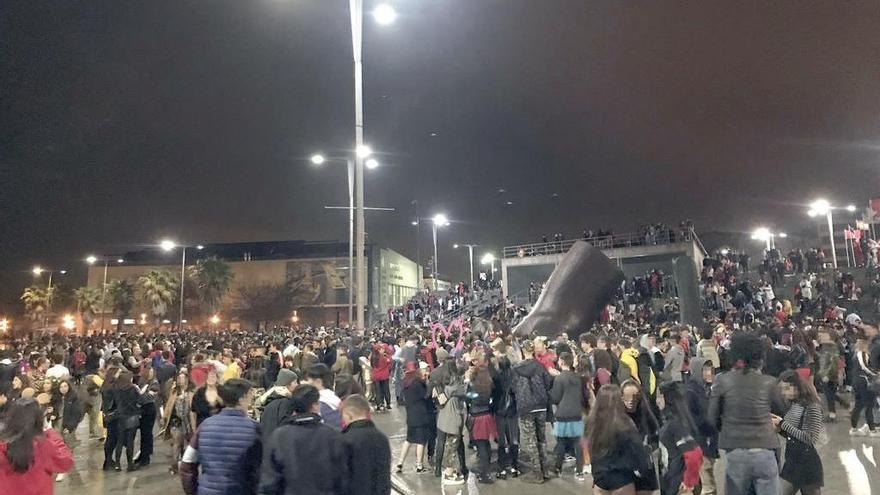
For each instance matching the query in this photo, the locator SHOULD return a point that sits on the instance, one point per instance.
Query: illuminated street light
(371, 163)
(439, 220)
(215, 319)
(120, 261)
(851, 208)
(384, 14)
(489, 259)
(167, 245)
(200, 247)
(68, 322)
(782, 235)
(363, 151)
(318, 159)
(823, 207)
(37, 271)
(92, 259)
(4, 325)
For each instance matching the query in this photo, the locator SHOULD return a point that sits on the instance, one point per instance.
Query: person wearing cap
(276, 407)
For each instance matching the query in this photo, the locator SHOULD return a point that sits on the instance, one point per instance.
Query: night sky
(123, 122)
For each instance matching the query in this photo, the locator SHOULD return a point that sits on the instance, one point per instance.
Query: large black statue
(582, 283)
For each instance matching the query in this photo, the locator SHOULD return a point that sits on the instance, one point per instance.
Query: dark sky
(123, 122)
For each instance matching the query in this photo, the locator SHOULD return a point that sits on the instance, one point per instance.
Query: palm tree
(212, 278)
(157, 290)
(88, 302)
(36, 300)
(120, 296)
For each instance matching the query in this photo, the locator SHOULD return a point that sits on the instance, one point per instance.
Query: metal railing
(607, 242)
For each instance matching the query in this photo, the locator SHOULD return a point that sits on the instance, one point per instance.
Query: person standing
(674, 359)
(367, 451)
(532, 385)
(31, 453)
(863, 376)
(415, 396)
(682, 456)
(227, 447)
(506, 421)
(741, 403)
(381, 373)
(305, 456)
(109, 412)
(127, 398)
(178, 421)
(699, 387)
(802, 426)
(206, 401)
(483, 428)
(568, 395)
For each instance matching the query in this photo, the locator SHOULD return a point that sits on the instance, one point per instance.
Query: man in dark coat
(368, 452)
(304, 456)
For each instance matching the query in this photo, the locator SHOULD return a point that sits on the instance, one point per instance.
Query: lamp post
(439, 220)
(823, 207)
(489, 259)
(91, 260)
(764, 234)
(470, 258)
(371, 163)
(38, 271)
(167, 246)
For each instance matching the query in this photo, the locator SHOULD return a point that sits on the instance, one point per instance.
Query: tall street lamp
(384, 14)
(823, 207)
(489, 259)
(91, 260)
(168, 245)
(439, 220)
(764, 234)
(470, 258)
(38, 271)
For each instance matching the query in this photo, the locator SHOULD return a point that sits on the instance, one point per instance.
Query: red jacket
(51, 456)
(199, 373)
(382, 368)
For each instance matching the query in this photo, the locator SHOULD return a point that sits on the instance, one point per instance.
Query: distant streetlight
(318, 159)
(168, 245)
(439, 220)
(92, 259)
(371, 163)
(68, 322)
(470, 258)
(215, 319)
(823, 207)
(363, 151)
(384, 14)
(489, 259)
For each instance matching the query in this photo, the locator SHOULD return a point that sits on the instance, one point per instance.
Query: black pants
(383, 393)
(830, 390)
(126, 439)
(148, 419)
(484, 456)
(569, 445)
(111, 440)
(508, 442)
(432, 434)
(865, 400)
(441, 447)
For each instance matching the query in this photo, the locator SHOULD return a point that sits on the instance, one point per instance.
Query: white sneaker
(874, 433)
(588, 469)
(865, 429)
(856, 432)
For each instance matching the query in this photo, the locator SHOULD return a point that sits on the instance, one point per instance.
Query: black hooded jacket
(532, 386)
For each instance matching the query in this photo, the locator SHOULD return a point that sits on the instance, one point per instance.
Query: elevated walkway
(524, 264)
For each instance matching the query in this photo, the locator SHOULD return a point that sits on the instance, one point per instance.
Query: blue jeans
(751, 471)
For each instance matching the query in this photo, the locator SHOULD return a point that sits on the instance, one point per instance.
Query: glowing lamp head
(761, 234)
(488, 258)
(455, 246)
(384, 14)
(215, 319)
(120, 261)
(820, 207)
(371, 163)
(440, 220)
(92, 260)
(167, 245)
(318, 159)
(68, 322)
(37, 270)
(783, 235)
(363, 151)
(851, 208)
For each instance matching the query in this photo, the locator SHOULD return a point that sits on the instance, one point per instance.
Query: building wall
(397, 279)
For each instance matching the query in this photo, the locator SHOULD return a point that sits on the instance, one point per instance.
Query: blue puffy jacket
(229, 454)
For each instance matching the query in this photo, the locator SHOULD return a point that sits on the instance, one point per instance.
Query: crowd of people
(288, 411)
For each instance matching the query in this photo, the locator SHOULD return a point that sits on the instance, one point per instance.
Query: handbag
(874, 385)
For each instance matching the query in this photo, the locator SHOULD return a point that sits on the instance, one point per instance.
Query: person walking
(617, 454)
(368, 453)
(741, 403)
(415, 396)
(226, 448)
(532, 385)
(828, 375)
(127, 399)
(568, 395)
(802, 426)
(305, 456)
(865, 398)
(31, 453)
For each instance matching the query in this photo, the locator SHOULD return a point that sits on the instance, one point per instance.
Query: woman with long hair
(802, 425)
(179, 422)
(31, 454)
(451, 393)
(415, 396)
(127, 398)
(109, 411)
(617, 454)
(680, 442)
(864, 397)
(483, 428)
(647, 424)
(206, 401)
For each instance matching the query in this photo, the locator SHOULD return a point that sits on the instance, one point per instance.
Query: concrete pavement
(852, 467)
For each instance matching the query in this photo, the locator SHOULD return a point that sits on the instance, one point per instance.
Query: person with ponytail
(31, 453)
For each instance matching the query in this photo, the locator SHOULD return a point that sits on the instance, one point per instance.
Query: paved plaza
(851, 468)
